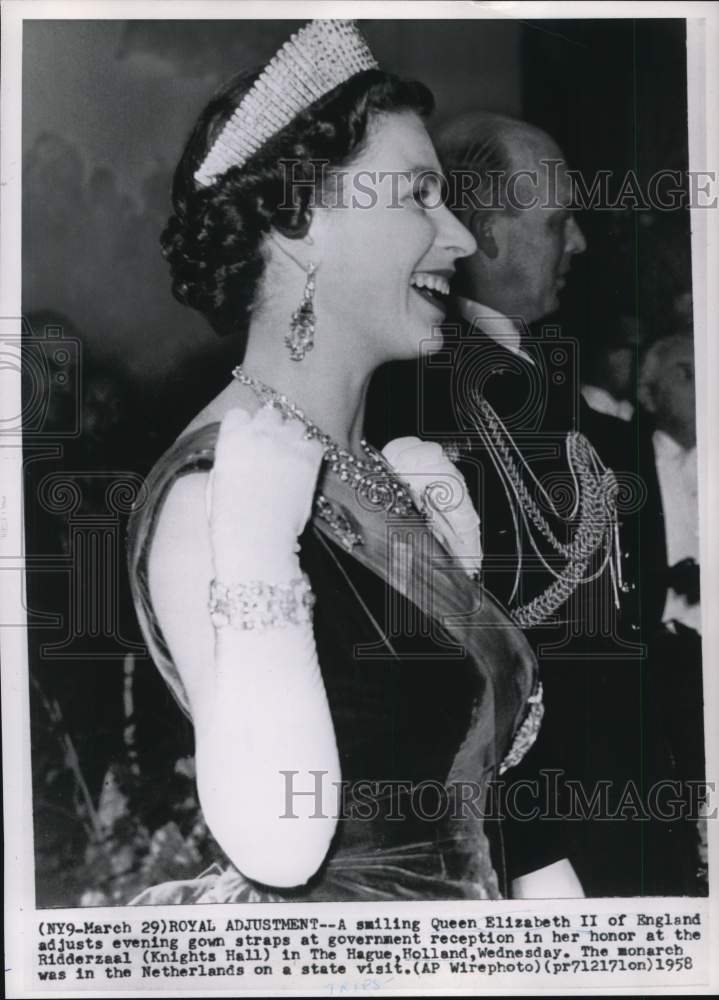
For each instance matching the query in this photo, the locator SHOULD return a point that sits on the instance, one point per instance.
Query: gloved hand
(260, 495)
(438, 487)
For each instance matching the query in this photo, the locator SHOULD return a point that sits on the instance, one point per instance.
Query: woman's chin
(431, 343)
(415, 340)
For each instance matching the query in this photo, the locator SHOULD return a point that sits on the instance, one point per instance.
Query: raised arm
(258, 700)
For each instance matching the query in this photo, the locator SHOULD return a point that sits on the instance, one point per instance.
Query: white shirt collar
(665, 447)
(493, 324)
(602, 401)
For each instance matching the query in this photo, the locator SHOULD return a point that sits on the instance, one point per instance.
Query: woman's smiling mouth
(432, 286)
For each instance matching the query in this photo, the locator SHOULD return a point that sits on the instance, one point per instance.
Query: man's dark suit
(601, 713)
(667, 700)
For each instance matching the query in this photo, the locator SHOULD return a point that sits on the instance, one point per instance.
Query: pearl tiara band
(309, 65)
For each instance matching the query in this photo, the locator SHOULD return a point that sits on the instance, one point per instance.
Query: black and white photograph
(362, 366)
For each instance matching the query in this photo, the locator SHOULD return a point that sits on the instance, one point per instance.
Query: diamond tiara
(312, 62)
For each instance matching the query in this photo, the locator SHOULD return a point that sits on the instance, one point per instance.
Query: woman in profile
(353, 690)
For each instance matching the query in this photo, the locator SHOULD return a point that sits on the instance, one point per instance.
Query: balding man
(511, 188)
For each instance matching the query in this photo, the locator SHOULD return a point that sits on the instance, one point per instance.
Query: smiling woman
(308, 641)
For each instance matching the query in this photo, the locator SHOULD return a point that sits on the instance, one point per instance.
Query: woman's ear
(645, 396)
(482, 225)
(296, 247)
(292, 221)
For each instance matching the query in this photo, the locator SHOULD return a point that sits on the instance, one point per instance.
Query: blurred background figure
(609, 370)
(666, 393)
(671, 605)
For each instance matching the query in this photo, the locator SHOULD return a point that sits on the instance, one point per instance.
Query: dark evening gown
(430, 687)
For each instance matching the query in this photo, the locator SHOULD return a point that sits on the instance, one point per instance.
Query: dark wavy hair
(213, 239)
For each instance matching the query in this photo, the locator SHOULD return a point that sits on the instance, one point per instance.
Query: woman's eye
(427, 192)
(421, 194)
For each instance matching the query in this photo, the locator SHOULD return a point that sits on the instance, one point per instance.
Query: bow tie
(683, 578)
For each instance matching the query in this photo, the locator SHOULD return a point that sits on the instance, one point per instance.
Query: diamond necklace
(373, 478)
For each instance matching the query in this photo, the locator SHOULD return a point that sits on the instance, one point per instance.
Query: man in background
(520, 211)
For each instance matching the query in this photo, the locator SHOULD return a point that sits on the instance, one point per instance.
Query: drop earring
(300, 338)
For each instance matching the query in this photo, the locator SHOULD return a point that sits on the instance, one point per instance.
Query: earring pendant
(300, 338)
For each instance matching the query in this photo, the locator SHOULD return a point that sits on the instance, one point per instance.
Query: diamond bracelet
(257, 605)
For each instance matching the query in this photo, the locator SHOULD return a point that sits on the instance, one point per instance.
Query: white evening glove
(260, 495)
(268, 716)
(438, 487)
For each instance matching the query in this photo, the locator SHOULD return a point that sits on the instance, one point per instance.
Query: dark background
(107, 106)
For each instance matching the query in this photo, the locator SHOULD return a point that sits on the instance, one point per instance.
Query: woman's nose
(452, 234)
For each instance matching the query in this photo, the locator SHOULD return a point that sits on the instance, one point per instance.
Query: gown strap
(193, 452)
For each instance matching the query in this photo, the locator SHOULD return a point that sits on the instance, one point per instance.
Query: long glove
(266, 736)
